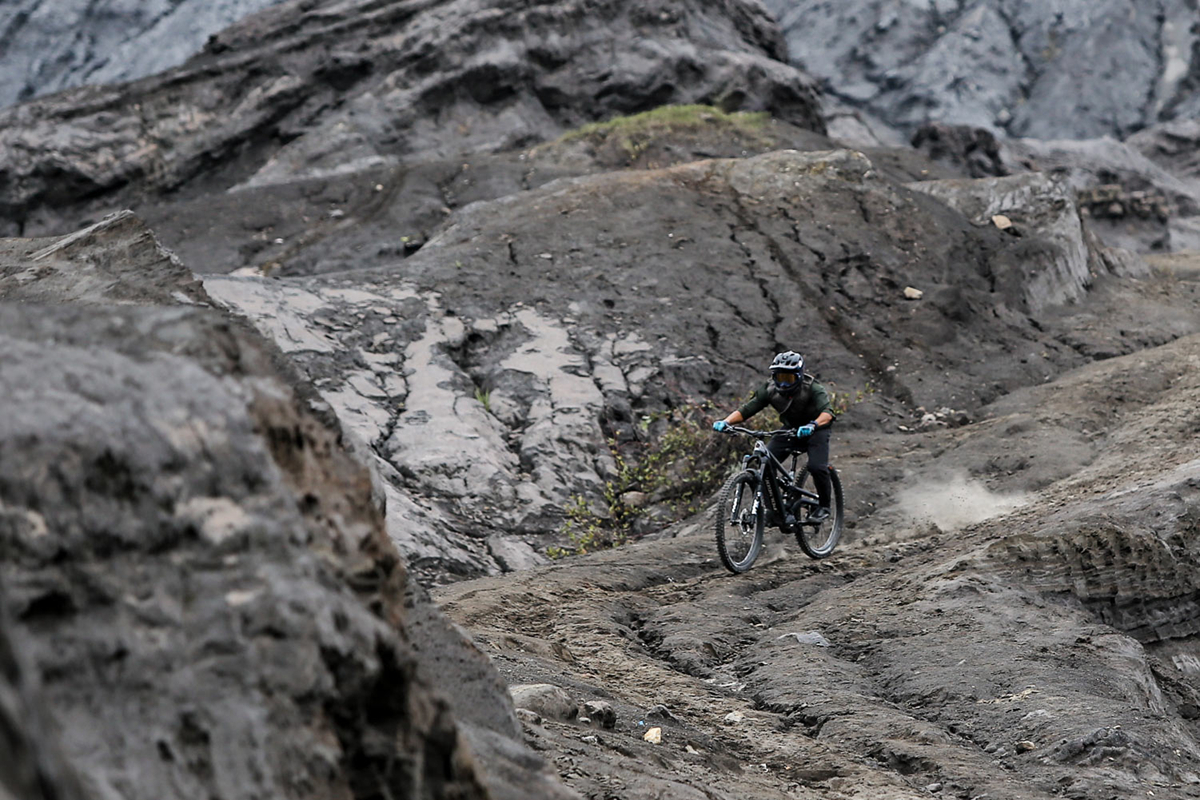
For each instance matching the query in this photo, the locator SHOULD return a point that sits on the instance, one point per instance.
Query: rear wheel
(739, 525)
(819, 540)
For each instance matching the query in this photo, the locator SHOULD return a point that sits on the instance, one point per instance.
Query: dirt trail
(1040, 654)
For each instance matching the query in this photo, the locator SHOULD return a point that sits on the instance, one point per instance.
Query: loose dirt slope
(1050, 652)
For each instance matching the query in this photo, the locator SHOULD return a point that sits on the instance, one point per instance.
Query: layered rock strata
(317, 89)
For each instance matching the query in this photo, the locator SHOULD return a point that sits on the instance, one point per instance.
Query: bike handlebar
(759, 434)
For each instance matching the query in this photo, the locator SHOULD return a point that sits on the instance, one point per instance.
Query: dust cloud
(955, 501)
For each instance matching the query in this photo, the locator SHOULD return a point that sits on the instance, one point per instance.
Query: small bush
(679, 468)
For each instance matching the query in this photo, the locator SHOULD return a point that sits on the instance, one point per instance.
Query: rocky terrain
(1104, 94)
(1049, 652)
(306, 459)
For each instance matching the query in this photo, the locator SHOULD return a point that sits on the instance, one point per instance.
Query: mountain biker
(802, 403)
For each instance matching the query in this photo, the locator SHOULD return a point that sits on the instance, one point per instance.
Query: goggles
(784, 378)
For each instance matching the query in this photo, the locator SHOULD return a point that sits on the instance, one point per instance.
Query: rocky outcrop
(195, 565)
(1044, 70)
(53, 46)
(1171, 145)
(1140, 195)
(1134, 202)
(1060, 266)
(318, 89)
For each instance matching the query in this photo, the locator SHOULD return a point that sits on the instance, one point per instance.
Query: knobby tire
(819, 541)
(739, 531)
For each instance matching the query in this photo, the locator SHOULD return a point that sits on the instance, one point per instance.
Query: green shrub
(679, 468)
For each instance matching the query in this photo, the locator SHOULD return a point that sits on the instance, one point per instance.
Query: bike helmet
(787, 371)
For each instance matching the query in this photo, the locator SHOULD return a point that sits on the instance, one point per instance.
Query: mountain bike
(766, 492)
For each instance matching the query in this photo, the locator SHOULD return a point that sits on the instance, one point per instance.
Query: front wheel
(739, 524)
(819, 540)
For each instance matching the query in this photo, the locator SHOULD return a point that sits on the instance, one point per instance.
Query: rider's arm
(757, 402)
(825, 413)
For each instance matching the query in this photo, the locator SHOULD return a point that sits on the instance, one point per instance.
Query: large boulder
(194, 562)
(1030, 68)
(1059, 266)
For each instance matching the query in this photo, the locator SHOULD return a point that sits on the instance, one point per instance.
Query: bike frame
(774, 482)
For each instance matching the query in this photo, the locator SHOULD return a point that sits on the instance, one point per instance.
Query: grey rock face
(195, 564)
(1067, 69)
(314, 89)
(50, 45)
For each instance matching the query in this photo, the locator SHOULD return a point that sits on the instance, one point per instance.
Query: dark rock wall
(31, 765)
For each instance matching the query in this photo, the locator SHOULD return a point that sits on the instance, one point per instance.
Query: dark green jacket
(798, 409)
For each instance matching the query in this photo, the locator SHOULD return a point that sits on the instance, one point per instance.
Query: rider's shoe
(819, 516)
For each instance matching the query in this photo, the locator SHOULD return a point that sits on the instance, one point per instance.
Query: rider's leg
(818, 466)
(781, 446)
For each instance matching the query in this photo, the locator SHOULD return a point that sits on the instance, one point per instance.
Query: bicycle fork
(738, 509)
